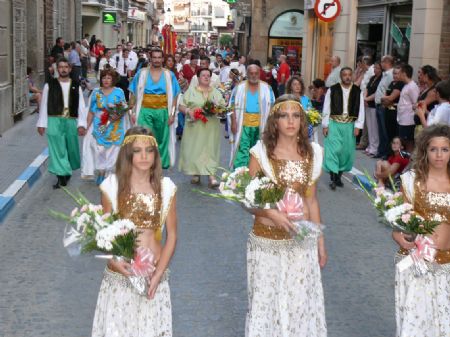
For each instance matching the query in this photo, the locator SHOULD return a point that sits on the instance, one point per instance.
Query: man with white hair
(253, 101)
(335, 76)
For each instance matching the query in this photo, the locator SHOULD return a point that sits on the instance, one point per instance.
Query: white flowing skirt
(422, 304)
(122, 312)
(285, 294)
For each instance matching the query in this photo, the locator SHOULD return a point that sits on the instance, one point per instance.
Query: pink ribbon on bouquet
(291, 204)
(425, 248)
(143, 262)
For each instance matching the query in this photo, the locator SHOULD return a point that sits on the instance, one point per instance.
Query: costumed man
(62, 117)
(252, 103)
(154, 95)
(342, 120)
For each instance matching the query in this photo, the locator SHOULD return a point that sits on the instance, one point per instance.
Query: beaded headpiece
(132, 138)
(277, 106)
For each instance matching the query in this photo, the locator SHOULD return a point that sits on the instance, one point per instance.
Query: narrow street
(46, 293)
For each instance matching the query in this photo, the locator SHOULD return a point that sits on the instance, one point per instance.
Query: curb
(23, 183)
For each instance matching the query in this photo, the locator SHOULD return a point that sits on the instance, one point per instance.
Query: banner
(396, 34)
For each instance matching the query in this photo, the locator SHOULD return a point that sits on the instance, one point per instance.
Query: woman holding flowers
(200, 145)
(138, 192)
(423, 302)
(284, 279)
(107, 123)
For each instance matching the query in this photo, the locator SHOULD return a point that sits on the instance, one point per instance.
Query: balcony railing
(98, 2)
(201, 28)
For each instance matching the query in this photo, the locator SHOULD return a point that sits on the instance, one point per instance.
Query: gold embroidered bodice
(295, 174)
(143, 209)
(432, 205)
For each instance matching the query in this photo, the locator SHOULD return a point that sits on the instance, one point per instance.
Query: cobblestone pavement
(46, 293)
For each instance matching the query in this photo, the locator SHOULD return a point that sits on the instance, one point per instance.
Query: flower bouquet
(399, 214)
(262, 193)
(314, 117)
(91, 229)
(112, 113)
(210, 109)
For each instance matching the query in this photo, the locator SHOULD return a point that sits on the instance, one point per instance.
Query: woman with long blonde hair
(422, 303)
(140, 193)
(284, 280)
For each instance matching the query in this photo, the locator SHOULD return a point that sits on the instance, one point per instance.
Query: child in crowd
(395, 164)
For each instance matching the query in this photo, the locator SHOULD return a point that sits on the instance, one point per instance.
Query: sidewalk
(23, 155)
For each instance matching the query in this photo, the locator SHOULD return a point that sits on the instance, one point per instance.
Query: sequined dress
(285, 291)
(422, 304)
(120, 311)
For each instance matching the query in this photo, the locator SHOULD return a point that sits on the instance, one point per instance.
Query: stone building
(28, 29)
(413, 31)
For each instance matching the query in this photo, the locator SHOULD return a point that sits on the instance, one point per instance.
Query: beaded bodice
(143, 209)
(295, 174)
(432, 205)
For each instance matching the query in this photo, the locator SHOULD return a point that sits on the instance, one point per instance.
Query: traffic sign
(327, 10)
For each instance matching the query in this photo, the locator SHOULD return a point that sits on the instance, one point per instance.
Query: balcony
(95, 2)
(199, 28)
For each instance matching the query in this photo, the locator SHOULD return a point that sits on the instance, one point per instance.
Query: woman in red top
(189, 70)
(395, 164)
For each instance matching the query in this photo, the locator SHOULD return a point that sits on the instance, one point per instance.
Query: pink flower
(84, 208)
(406, 217)
(74, 212)
(379, 190)
(233, 184)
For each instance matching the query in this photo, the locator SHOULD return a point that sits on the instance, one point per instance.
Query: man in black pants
(124, 69)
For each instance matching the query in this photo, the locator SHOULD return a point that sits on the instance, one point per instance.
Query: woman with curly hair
(284, 280)
(105, 135)
(422, 303)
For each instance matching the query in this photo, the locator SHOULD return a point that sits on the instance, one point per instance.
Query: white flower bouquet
(91, 229)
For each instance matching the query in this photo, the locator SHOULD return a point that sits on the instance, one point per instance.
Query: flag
(408, 32)
(396, 34)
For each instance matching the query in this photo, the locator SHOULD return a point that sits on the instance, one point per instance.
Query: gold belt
(270, 232)
(343, 118)
(442, 256)
(154, 101)
(251, 120)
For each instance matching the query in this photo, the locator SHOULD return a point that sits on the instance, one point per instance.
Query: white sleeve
(326, 110)
(317, 162)
(82, 111)
(43, 113)
(359, 124)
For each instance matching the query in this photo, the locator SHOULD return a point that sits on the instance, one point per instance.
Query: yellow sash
(154, 101)
(251, 120)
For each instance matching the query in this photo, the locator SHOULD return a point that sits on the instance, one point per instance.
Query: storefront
(285, 37)
(384, 29)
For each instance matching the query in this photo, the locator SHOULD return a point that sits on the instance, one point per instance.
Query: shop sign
(289, 24)
(135, 14)
(109, 17)
(327, 10)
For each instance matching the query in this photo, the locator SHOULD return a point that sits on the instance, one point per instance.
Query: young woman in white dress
(284, 279)
(139, 192)
(422, 303)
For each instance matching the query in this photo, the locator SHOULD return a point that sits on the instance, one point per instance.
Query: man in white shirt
(132, 55)
(225, 71)
(441, 112)
(106, 60)
(178, 63)
(215, 79)
(334, 77)
(240, 66)
(116, 57)
(342, 120)
(387, 64)
(62, 117)
(125, 68)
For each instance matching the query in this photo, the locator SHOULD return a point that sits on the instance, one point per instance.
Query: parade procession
(225, 168)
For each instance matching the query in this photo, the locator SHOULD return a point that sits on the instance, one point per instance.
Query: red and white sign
(327, 10)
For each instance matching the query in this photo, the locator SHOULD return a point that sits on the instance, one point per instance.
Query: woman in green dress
(200, 146)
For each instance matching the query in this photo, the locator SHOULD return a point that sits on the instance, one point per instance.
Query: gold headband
(132, 138)
(277, 106)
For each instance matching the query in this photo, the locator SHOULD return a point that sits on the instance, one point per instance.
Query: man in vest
(252, 102)
(62, 116)
(342, 120)
(154, 94)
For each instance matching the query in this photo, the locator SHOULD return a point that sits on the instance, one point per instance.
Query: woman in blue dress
(106, 129)
(296, 87)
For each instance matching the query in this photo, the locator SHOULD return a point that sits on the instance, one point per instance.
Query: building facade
(28, 29)
(413, 31)
(277, 27)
